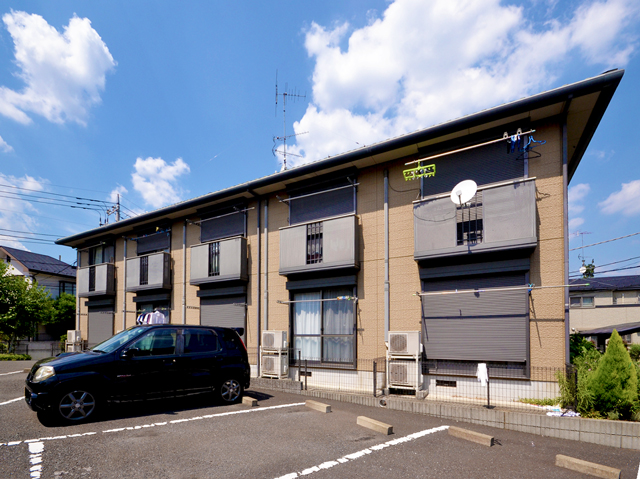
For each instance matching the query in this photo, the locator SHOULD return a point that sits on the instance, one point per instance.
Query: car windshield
(114, 342)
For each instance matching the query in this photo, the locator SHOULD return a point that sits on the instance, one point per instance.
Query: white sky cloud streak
(19, 218)
(63, 73)
(577, 194)
(423, 63)
(4, 146)
(626, 201)
(156, 180)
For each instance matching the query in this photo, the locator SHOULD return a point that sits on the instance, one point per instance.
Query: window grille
(469, 221)
(144, 270)
(214, 259)
(92, 278)
(314, 243)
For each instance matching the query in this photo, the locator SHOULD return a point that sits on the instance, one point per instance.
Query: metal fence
(531, 388)
(38, 349)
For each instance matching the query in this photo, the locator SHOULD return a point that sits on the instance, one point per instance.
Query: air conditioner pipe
(258, 290)
(387, 314)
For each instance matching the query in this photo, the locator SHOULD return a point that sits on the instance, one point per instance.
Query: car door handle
(169, 361)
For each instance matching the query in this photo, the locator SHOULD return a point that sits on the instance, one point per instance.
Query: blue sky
(163, 101)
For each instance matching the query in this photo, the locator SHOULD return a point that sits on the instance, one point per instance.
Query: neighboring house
(54, 275)
(600, 305)
(276, 253)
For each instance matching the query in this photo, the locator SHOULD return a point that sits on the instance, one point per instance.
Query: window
(324, 327)
(469, 221)
(214, 259)
(92, 278)
(100, 254)
(158, 342)
(626, 297)
(581, 302)
(314, 243)
(68, 287)
(200, 341)
(144, 270)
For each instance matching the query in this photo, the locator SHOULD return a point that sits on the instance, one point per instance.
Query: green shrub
(15, 357)
(63, 342)
(541, 402)
(579, 346)
(615, 382)
(634, 352)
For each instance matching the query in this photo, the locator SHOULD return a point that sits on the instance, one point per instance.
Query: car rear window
(200, 341)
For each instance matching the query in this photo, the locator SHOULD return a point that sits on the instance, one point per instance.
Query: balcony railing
(499, 217)
(152, 271)
(319, 245)
(224, 260)
(96, 280)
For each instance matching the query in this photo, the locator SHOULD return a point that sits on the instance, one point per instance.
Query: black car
(142, 362)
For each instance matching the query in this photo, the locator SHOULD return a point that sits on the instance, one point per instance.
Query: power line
(616, 269)
(43, 216)
(609, 264)
(606, 241)
(49, 193)
(31, 233)
(27, 197)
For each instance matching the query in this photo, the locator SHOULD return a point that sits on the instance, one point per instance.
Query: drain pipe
(258, 289)
(77, 297)
(565, 225)
(387, 313)
(266, 264)
(184, 272)
(124, 286)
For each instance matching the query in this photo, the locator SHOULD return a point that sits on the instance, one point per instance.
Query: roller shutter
(489, 326)
(227, 312)
(100, 324)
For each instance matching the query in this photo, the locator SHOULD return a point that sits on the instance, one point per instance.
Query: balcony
(499, 218)
(320, 245)
(152, 271)
(224, 260)
(96, 280)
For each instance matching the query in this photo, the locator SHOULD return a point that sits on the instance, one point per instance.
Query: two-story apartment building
(341, 251)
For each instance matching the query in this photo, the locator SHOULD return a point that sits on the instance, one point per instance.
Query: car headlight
(43, 372)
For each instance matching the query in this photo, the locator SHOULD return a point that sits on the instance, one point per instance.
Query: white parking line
(12, 372)
(362, 453)
(131, 428)
(10, 401)
(35, 459)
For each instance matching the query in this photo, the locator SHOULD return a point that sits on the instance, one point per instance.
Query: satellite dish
(463, 192)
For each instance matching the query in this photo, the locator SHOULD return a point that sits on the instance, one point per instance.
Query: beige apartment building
(340, 252)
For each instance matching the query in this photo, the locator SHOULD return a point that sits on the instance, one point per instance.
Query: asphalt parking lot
(192, 438)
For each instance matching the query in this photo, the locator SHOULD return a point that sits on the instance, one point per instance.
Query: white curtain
(307, 321)
(338, 319)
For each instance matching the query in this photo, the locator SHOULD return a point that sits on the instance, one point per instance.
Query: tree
(615, 382)
(22, 306)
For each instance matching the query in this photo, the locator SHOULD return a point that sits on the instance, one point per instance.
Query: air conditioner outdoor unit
(275, 365)
(404, 343)
(74, 336)
(404, 374)
(274, 340)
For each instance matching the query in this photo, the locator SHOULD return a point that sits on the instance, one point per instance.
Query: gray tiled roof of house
(608, 283)
(41, 263)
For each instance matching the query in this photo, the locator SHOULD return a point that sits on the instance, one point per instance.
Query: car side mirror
(129, 353)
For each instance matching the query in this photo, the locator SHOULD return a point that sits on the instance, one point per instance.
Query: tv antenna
(581, 256)
(293, 95)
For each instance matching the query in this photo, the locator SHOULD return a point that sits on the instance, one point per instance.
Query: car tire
(77, 405)
(229, 391)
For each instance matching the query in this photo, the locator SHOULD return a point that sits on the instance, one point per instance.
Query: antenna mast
(293, 95)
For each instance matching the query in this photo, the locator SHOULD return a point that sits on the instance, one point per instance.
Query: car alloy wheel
(77, 405)
(230, 391)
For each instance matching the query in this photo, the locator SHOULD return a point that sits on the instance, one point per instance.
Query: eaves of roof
(583, 103)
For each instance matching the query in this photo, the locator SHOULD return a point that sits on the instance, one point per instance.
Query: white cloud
(575, 223)
(577, 194)
(422, 63)
(155, 180)
(15, 212)
(4, 146)
(63, 73)
(626, 201)
(118, 190)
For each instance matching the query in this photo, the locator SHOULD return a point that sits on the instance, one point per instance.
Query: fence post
(306, 373)
(299, 366)
(375, 377)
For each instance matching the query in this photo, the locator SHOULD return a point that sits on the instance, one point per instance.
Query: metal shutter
(228, 312)
(322, 205)
(154, 242)
(223, 227)
(477, 326)
(484, 165)
(100, 324)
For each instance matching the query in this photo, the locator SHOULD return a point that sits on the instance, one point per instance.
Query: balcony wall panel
(233, 262)
(159, 272)
(104, 280)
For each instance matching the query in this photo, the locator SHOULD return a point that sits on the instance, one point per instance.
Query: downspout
(124, 285)
(387, 314)
(266, 264)
(77, 297)
(565, 224)
(184, 272)
(258, 289)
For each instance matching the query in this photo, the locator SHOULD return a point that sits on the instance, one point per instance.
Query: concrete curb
(318, 406)
(374, 425)
(248, 401)
(586, 467)
(620, 434)
(472, 436)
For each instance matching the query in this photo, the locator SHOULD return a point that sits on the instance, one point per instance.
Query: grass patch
(541, 402)
(14, 357)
